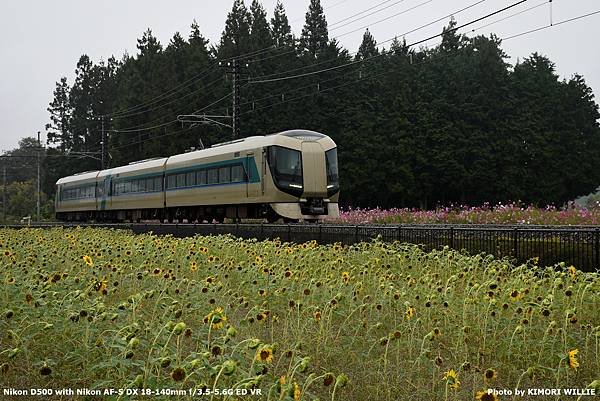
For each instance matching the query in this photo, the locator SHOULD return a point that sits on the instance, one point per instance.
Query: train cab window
(331, 165)
(286, 168)
(201, 177)
(213, 176)
(237, 173)
(190, 179)
(224, 175)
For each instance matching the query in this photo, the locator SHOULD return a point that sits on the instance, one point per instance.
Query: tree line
(415, 127)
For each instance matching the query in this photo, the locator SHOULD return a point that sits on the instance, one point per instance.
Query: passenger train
(291, 175)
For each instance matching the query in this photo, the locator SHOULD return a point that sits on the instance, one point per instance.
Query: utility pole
(4, 190)
(234, 67)
(39, 148)
(104, 147)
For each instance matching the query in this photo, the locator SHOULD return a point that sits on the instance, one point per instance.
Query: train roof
(147, 164)
(86, 175)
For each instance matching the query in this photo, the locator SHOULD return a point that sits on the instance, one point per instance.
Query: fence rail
(578, 246)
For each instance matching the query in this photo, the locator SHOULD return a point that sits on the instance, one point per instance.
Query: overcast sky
(41, 40)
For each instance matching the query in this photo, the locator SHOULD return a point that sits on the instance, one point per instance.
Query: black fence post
(320, 233)
(355, 234)
(516, 244)
(597, 232)
(289, 233)
(452, 237)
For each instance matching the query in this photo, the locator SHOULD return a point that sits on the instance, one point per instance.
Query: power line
(364, 11)
(167, 94)
(552, 25)
(418, 63)
(172, 101)
(151, 139)
(255, 81)
(385, 41)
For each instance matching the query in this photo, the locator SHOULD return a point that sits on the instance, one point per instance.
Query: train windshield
(331, 164)
(286, 169)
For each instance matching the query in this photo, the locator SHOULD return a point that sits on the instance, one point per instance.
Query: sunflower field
(101, 308)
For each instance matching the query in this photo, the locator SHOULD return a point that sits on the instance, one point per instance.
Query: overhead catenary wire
(385, 41)
(212, 83)
(348, 83)
(257, 81)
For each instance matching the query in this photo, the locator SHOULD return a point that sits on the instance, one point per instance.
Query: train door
(105, 200)
(253, 183)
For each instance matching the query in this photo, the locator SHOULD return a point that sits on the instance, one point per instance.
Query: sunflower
(317, 315)
(451, 378)
(178, 374)
(485, 396)
(516, 295)
(410, 312)
(490, 374)
(296, 392)
(211, 258)
(10, 280)
(7, 253)
(264, 354)
(216, 318)
(345, 277)
(572, 271)
(573, 363)
(88, 261)
(194, 266)
(258, 260)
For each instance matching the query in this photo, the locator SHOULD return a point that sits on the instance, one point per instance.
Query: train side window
(149, 184)
(127, 185)
(100, 190)
(141, 185)
(201, 177)
(237, 173)
(171, 181)
(213, 176)
(134, 186)
(190, 179)
(158, 184)
(224, 175)
(180, 180)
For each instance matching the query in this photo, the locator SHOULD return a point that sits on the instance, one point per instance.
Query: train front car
(303, 167)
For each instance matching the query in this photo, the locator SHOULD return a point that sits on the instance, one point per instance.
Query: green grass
(372, 321)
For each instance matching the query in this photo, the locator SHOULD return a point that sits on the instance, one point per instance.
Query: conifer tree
(368, 47)
(235, 39)
(260, 33)
(314, 36)
(280, 27)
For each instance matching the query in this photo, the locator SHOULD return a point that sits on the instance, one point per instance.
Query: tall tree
(280, 27)
(235, 39)
(368, 47)
(58, 130)
(260, 33)
(314, 36)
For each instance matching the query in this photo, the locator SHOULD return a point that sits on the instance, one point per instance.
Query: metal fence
(551, 245)
(573, 246)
